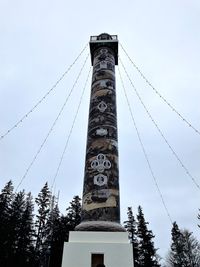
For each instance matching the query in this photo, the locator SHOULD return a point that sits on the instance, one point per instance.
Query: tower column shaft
(101, 187)
(101, 207)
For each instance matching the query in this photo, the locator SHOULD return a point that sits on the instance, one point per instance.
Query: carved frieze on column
(100, 202)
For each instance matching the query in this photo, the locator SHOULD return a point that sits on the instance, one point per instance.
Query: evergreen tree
(176, 256)
(14, 225)
(43, 201)
(60, 235)
(25, 245)
(185, 249)
(6, 198)
(54, 225)
(130, 226)
(62, 226)
(192, 249)
(51, 225)
(146, 252)
(74, 212)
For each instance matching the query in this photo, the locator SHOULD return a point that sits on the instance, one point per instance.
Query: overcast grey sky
(40, 39)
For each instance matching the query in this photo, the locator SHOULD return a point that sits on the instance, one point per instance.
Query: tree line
(33, 232)
(184, 249)
(34, 239)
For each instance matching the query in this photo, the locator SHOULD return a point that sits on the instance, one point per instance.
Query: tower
(100, 202)
(99, 238)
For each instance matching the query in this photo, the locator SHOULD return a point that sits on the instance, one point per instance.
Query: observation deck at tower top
(104, 40)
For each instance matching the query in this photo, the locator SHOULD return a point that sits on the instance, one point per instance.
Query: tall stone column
(100, 202)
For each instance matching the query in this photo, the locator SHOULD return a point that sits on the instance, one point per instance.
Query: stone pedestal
(87, 249)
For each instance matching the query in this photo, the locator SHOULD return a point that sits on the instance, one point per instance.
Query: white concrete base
(114, 245)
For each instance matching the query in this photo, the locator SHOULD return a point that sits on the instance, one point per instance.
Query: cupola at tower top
(104, 36)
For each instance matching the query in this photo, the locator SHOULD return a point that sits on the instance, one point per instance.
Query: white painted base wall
(114, 245)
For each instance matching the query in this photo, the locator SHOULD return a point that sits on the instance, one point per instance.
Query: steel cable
(70, 132)
(44, 97)
(161, 97)
(144, 151)
(159, 130)
(52, 127)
